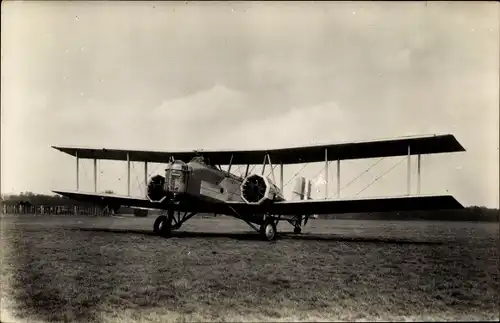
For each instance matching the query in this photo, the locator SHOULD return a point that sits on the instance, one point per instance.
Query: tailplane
(302, 191)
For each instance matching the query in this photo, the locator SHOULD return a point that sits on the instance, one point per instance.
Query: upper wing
(362, 205)
(294, 155)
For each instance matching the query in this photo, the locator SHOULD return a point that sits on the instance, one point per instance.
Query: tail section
(302, 191)
(299, 189)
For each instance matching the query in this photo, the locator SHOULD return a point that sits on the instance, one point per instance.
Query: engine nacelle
(156, 191)
(256, 189)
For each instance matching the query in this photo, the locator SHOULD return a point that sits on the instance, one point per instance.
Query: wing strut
(281, 177)
(408, 184)
(326, 173)
(145, 177)
(95, 175)
(128, 174)
(230, 164)
(271, 165)
(77, 171)
(264, 165)
(418, 171)
(338, 178)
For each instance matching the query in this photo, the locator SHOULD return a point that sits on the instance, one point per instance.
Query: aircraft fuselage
(196, 181)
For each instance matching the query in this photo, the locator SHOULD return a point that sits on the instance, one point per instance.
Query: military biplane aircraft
(194, 182)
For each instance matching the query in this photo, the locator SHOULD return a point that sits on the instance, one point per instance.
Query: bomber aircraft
(194, 182)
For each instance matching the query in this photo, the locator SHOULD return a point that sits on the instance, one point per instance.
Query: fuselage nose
(176, 177)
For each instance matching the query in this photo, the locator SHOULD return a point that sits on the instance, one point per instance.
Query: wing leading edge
(432, 144)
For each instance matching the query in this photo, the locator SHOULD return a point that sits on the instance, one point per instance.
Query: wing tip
(458, 147)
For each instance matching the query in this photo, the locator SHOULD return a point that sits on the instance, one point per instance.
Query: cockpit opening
(202, 160)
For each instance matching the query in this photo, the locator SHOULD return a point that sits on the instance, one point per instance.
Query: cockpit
(198, 159)
(202, 160)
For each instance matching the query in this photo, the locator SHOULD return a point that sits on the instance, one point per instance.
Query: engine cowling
(156, 191)
(256, 189)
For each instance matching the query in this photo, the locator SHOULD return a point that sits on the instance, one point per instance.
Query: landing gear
(297, 230)
(268, 229)
(163, 225)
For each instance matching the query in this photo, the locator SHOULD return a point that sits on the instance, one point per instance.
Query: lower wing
(107, 199)
(300, 207)
(115, 201)
(361, 205)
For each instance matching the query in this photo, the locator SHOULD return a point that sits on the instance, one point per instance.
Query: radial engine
(257, 189)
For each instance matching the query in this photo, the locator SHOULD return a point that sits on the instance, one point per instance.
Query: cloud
(192, 120)
(299, 126)
(205, 106)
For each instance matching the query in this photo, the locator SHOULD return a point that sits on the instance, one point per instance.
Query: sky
(185, 75)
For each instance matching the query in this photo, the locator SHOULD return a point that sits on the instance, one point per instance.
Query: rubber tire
(166, 230)
(158, 221)
(263, 230)
(297, 230)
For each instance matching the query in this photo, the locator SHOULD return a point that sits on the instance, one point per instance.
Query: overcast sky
(169, 76)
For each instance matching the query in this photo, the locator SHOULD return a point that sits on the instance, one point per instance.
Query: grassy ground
(114, 270)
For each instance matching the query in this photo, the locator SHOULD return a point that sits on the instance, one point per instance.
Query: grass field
(91, 269)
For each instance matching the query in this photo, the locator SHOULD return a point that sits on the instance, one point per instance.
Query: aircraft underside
(265, 225)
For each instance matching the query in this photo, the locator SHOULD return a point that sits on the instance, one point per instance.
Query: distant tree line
(32, 199)
(40, 199)
(472, 213)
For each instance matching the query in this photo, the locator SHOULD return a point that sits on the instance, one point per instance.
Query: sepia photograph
(236, 161)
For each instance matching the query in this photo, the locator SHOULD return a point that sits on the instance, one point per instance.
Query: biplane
(194, 182)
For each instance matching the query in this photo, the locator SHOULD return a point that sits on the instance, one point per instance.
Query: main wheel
(268, 230)
(297, 230)
(163, 226)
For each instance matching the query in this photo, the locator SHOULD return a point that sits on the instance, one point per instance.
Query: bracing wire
(272, 170)
(329, 162)
(379, 177)
(357, 177)
(139, 185)
(295, 175)
(238, 169)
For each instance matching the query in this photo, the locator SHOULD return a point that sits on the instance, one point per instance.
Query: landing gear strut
(165, 224)
(298, 222)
